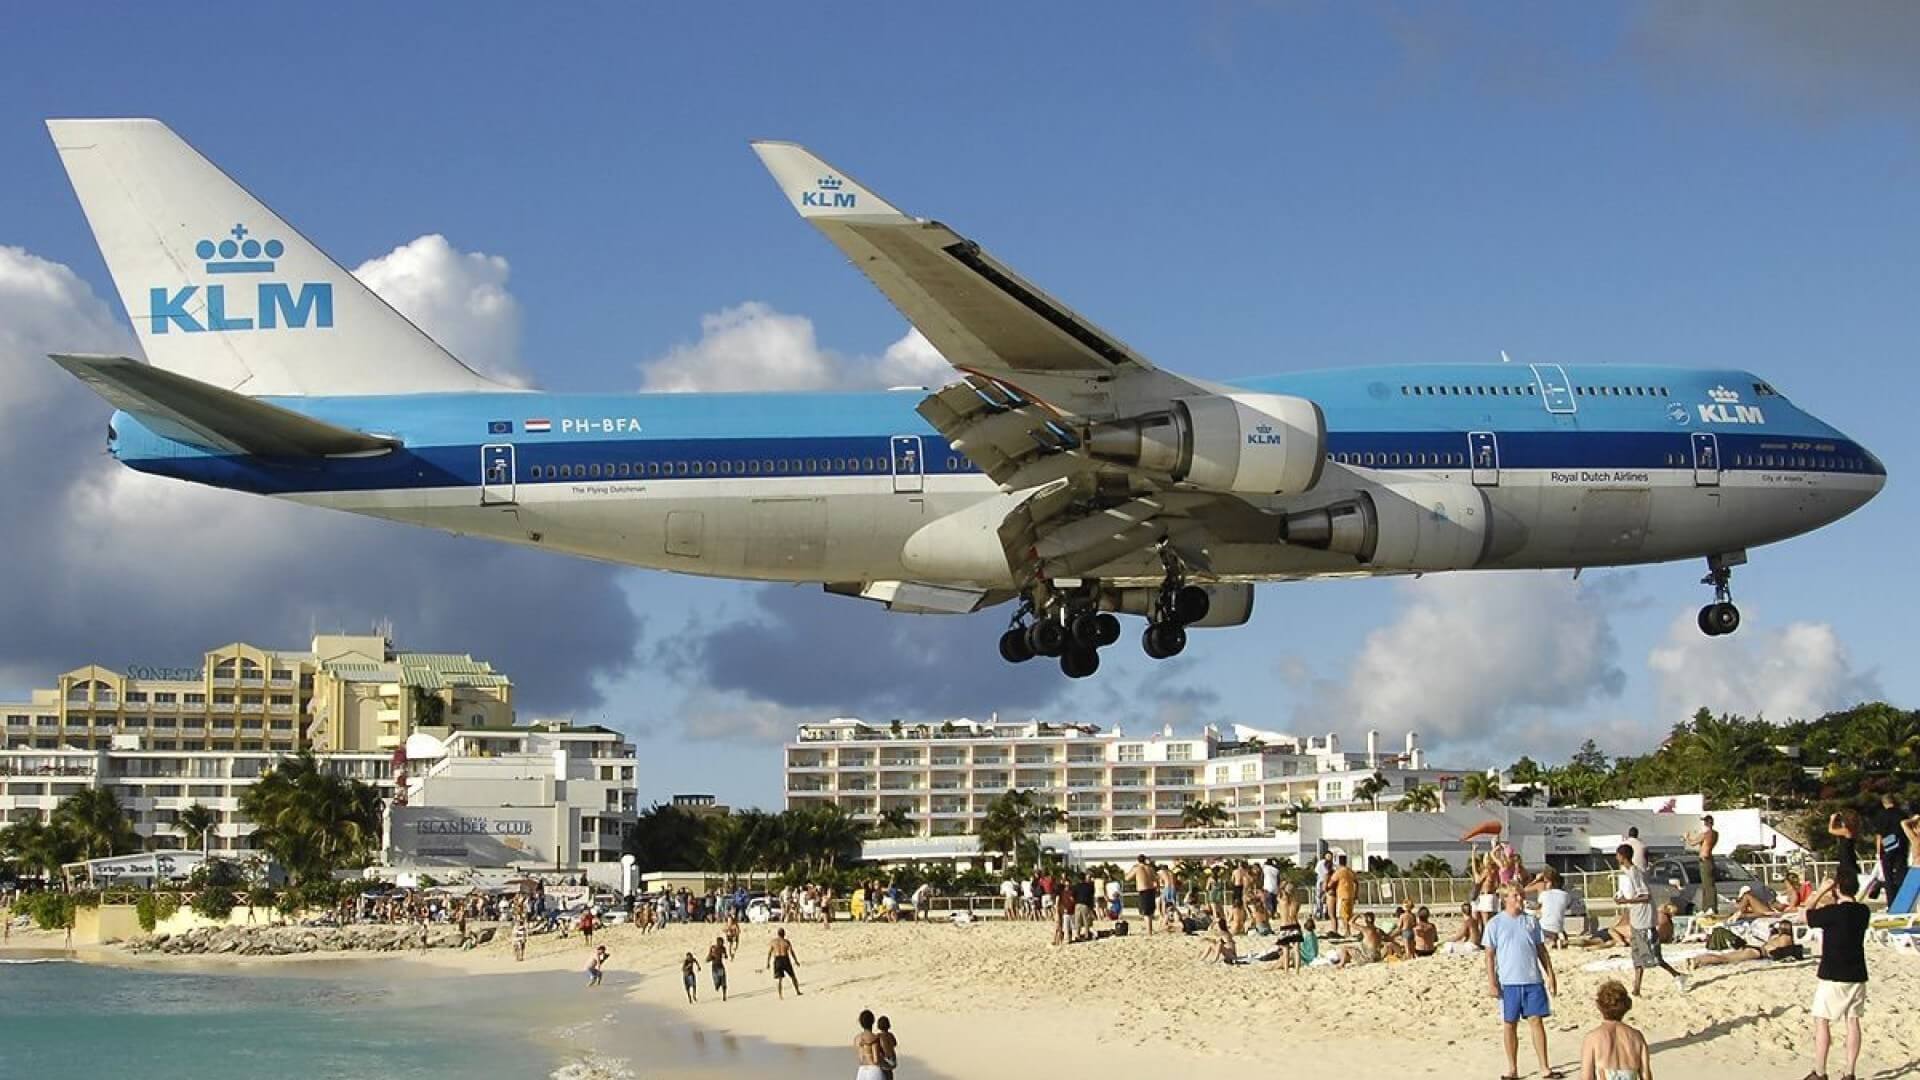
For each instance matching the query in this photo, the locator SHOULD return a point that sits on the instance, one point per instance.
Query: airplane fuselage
(1568, 467)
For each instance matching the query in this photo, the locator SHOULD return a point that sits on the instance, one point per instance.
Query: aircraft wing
(208, 416)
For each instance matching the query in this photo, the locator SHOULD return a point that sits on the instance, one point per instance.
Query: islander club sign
(473, 826)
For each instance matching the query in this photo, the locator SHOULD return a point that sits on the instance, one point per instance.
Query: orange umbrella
(1489, 827)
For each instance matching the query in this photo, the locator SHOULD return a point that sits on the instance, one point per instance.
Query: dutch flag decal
(537, 426)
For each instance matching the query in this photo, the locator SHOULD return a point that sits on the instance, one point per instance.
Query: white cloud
(459, 298)
(1796, 672)
(1473, 659)
(752, 346)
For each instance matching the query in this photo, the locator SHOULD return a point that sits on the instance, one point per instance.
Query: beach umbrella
(1489, 827)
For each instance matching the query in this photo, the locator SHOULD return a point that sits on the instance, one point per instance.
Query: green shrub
(214, 904)
(143, 910)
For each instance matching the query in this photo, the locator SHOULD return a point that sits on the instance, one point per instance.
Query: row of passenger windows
(1398, 458)
(1526, 390)
(627, 470)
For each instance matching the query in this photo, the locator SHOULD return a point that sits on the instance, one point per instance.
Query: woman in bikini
(1615, 1050)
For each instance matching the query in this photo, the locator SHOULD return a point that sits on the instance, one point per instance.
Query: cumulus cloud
(1796, 672)
(105, 564)
(752, 346)
(459, 298)
(1473, 657)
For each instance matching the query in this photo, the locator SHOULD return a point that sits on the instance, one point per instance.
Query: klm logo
(1726, 409)
(1264, 435)
(274, 304)
(826, 193)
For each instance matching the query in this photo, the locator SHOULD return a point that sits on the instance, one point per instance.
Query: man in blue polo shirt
(1520, 974)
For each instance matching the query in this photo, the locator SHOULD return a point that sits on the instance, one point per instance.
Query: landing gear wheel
(1719, 619)
(1014, 648)
(1190, 604)
(1164, 640)
(1107, 628)
(1046, 638)
(1078, 663)
(1093, 630)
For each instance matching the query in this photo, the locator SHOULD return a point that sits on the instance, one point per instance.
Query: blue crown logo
(241, 254)
(1264, 429)
(830, 183)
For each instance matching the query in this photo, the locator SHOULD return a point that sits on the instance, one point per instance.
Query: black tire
(1108, 627)
(1169, 639)
(1150, 644)
(1191, 604)
(1079, 663)
(1705, 621)
(1046, 637)
(1725, 619)
(1084, 632)
(1013, 646)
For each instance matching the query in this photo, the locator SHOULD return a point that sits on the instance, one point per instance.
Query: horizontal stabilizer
(206, 416)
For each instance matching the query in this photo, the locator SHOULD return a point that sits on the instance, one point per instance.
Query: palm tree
(895, 822)
(98, 827)
(1203, 815)
(36, 845)
(310, 820)
(1370, 789)
(1480, 789)
(1010, 822)
(198, 823)
(1424, 799)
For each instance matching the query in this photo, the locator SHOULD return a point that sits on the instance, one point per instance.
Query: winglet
(817, 189)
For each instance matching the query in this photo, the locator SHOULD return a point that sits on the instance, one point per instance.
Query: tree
(37, 847)
(1423, 799)
(429, 709)
(198, 823)
(92, 818)
(665, 837)
(1011, 821)
(1370, 789)
(311, 821)
(1479, 789)
(895, 821)
(1203, 815)
(1430, 866)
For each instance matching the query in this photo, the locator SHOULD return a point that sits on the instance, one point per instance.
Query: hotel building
(944, 775)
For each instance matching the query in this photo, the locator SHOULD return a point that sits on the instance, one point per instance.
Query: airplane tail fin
(223, 291)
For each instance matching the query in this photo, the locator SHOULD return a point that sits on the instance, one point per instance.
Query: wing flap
(213, 418)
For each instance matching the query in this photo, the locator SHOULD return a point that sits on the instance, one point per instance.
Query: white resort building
(944, 775)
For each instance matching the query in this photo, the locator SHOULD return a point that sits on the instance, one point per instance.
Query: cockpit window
(1761, 389)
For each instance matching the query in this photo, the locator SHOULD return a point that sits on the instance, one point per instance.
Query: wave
(595, 1067)
(37, 960)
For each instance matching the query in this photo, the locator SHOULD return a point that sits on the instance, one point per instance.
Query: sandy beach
(991, 998)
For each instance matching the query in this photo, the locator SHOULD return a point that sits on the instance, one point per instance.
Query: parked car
(763, 909)
(1676, 879)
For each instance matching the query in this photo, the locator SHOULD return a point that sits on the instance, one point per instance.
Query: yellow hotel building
(346, 693)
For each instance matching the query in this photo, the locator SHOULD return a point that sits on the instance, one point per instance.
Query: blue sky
(1233, 189)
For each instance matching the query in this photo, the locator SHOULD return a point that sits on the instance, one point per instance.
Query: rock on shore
(288, 940)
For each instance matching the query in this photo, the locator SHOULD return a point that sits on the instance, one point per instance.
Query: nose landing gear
(1721, 617)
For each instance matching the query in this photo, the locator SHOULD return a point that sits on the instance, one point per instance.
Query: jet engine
(1246, 444)
(1418, 525)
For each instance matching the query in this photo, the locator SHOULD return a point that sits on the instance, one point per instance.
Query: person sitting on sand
(1306, 950)
(1466, 940)
(1370, 949)
(1426, 936)
(1796, 893)
(690, 978)
(1221, 946)
(1780, 945)
(1749, 906)
(1615, 1050)
(1663, 922)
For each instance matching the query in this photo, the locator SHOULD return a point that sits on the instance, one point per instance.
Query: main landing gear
(1063, 626)
(1721, 617)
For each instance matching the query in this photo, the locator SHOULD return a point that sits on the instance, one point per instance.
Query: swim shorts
(783, 965)
(1523, 1002)
(1148, 900)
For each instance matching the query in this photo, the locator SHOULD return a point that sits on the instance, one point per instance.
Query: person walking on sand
(717, 961)
(596, 966)
(1615, 1050)
(690, 978)
(1630, 892)
(889, 1048)
(1841, 993)
(781, 957)
(1516, 962)
(866, 1050)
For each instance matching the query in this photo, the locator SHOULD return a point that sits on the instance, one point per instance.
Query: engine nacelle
(1247, 444)
(1417, 525)
(1230, 604)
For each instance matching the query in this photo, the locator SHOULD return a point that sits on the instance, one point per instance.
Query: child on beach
(1308, 949)
(520, 940)
(689, 978)
(1615, 1050)
(889, 1048)
(596, 967)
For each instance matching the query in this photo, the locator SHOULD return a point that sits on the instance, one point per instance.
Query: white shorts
(1483, 903)
(868, 1072)
(1839, 1000)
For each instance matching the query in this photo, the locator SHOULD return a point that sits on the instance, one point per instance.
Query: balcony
(901, 763)
(948, 760)
(254, 682)
(224, 682)
(282, 709)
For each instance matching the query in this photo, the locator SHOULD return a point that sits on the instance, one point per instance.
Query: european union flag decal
(499, 427)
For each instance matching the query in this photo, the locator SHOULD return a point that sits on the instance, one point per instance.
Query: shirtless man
(733, 936)
(867, 1049)
(781, 958)
(1426, 936)
(1780, 945)
(1370, 949)
(1704, 842)
(717, 962)
(1344, 888)
(1147, 884)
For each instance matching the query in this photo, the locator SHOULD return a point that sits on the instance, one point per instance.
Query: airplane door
(496, 475)
(1483, 450)
(909, 471)
(1706, 459)
(1555, 392)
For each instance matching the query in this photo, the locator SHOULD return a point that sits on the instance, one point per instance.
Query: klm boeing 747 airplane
(1061, 472)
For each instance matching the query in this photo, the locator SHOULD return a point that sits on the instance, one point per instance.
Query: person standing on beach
(1631, 892)
(889, 1048)
(520, 940)
(717, 962)
(1517, 960)
(866, 1050)
(1639, 847)
(781, 957)
(596, 966)
(1891, 840)
(1615, 1050)
(1345, 887)
(1147, 883)
(1705, 841)
(1322, 870)
(1841, 993)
